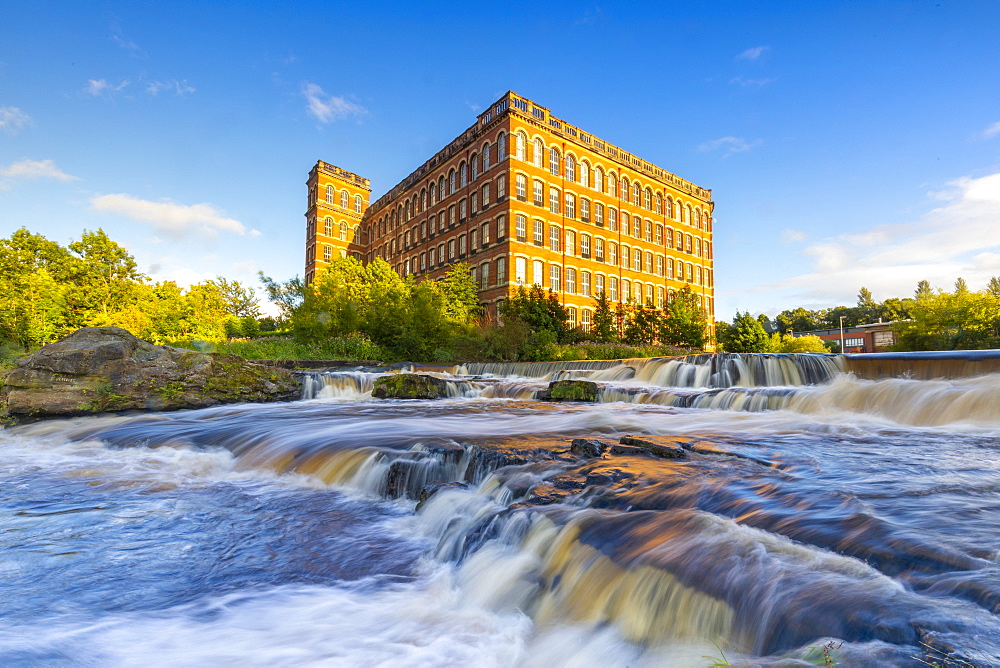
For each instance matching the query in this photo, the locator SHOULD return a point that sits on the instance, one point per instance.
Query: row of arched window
(345, 199)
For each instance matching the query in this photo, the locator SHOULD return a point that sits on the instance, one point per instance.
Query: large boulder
(409, 386)
(103, 369)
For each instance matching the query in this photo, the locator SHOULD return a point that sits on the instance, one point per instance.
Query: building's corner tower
(337, 201)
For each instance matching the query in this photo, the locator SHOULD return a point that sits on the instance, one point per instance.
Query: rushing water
(813, 510)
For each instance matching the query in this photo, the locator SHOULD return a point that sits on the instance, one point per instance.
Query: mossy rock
(572, 390)
(409, 386)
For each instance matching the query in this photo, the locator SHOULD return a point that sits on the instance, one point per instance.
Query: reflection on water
(809, 507)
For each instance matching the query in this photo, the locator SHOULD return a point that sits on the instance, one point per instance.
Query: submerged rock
(588, 447)
(571, 390)
(656, 446)
(409, 386)
(107, 369)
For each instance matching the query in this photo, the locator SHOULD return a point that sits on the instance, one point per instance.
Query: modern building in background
(526, 199)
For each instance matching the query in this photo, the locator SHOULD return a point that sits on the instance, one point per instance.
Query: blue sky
(846, 143)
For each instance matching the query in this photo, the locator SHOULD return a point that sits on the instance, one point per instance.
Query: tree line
(929, 320)
(48, 291)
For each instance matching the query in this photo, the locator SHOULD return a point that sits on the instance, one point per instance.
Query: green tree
(684, 322)
(923, 290)
(604, 326)
(461, 298)
(747, 335)
(105, 278)
(993, 287)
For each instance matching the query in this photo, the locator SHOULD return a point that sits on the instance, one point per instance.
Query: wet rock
(571, 390)
(588, 447)
(617, 449)
(428, 491)
(658, 447)
(107, 369)
(409, 386)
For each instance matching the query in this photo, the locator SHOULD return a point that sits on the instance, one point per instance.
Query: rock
(626, 450)
(588, 447)
(571, 390)
(409, 386)
(107, 369)
(658, 447)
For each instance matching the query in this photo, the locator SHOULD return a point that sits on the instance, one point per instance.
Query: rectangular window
(649, 231)
(539, 233)
(585, 283)
(659, 265)
(501, 188)
(613, 288)
(659, 297)
(520, 270)
(433, 257)
(598, 285)
(599, 249)
(461, 245)
(539, 193)
(327, 253)
(598, 213)
(485, 229)
(521, 225)
(555, 279)
(649, 262)
(571, 281)
(554, 238)
(521, 186)
(585, 210)
(670, 268)
(626, 222)
(538, 273)
(626, 290)
(502, 271)
(474, 203)
(484, 275)
(486, 195)
(451, 215)
(570, 242)
(612, 252)
(571, 311)
(451, 249)
(649, 294)
(501, 227)
(636, 259)
(554, 195)
(585, 320)
(423, 262)
(659, 235)
(570, 205)
(613, 220)
(625, 256)
(585, 245)
(462, 211)
(854, 342)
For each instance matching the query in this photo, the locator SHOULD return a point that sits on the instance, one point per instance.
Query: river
(814, 514)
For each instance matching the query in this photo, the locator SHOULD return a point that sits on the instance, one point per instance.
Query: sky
(847, 144)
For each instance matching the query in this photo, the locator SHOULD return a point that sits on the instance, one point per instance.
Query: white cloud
(101, 86)
(729, 145)
(32, 170)
(178, 87)
(328, 108)
(792, 236)
(750, 83)
(754, 53)
(172, 219)
(13, 119)
(992, 131)
(961, 237)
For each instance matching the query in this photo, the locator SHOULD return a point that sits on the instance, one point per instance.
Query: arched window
(344, 199)
(599, 180)
(502, 147)
(343, 231)
(442, 193)
(570, 167)
(432, 190)
(357, 203)
(647, 199)
(697, 219)
(585, 174)
(669, 211)
(486, 156)
(554, 161)
(625, 188)
(613, 184)
(687, 210)
(659, 203)
(522, 146)
(475, 166)
(328, 226)
(539, 153)
(329, 194)
(463, 174)
(636, 194)
(451, 181)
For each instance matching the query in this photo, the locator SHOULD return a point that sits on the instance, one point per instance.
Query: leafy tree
(684, 322)
(105, 277)
(747, 335)
(923, 290)
(799, 320)
(541, 311)
(604, 326)
(461, 298)
(961, 287)
(287, 296)
(994, 286)
(641, 325)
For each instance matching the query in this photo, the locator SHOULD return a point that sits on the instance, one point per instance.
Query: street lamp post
(842, 351)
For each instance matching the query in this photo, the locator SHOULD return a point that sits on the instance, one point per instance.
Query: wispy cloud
(175, 86)
(13, 120)
(753, 54)
(750, 83)
(174, 220)
(959, 238)
(118, 38)
(328, 108)
(792, 236)
(97, 87)
(729, 145)
(31, 170)
(591, 16)
(992, 131)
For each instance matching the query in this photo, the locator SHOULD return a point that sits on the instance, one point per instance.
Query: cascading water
(811, 511)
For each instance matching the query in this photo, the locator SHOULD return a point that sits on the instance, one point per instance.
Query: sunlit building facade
(526, 198)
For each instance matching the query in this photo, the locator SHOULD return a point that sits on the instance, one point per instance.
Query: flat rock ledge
(107, 369)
